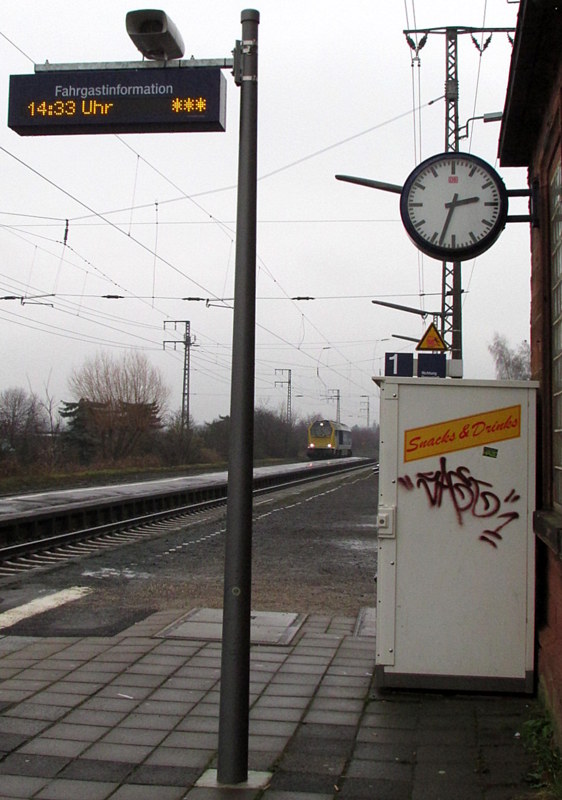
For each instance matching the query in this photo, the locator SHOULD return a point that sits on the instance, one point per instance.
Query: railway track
(52, 549)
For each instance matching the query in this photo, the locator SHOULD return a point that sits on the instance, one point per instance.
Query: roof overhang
(534, 66)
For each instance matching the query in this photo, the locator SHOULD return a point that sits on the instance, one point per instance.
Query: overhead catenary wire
(274, 334)
(266, 270)
(318, 152)
(225, 300)
(102, 217)
(481, 49)
(231, 187)
(415, 47)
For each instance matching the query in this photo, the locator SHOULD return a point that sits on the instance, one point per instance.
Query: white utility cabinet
(456, 552)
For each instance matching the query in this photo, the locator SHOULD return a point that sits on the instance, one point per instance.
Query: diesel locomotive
(327, 439)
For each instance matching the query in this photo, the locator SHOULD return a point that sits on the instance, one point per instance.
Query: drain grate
(205, 624)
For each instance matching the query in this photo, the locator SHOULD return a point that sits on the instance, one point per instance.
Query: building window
(555, 206)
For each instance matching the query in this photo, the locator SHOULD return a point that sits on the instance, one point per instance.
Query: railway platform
(135, 716)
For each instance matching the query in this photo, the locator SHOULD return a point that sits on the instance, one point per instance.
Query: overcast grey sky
(152, 216)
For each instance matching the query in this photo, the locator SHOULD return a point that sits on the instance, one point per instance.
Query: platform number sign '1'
(399, 364)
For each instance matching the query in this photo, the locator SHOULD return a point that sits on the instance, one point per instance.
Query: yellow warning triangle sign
(431, 340)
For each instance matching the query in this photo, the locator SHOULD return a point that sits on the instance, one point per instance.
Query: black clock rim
(458, 253)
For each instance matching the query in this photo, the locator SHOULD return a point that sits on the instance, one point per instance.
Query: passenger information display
(118, 101)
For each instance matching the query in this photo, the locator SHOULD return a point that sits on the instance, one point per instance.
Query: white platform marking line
(41, 604)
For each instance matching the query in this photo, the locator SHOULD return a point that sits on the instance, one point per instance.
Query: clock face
(453, 206)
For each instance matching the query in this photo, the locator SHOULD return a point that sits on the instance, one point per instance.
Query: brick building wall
(531, 137)
(550, 637)
(545, 154)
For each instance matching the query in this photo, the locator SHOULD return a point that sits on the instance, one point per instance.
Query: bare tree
(131, 379)
(511, 364)
(49, 410)
(120, 401)
(22, 422)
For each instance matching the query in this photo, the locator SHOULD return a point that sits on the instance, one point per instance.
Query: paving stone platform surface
(136, 716)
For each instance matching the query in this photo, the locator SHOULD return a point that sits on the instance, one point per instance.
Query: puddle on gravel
(369, 525)
(110, 572)
(356, 544)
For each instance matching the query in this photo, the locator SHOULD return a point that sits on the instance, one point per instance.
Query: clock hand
(462, 202)
(451, 206)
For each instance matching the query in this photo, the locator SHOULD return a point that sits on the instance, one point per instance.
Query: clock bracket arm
(533, 195)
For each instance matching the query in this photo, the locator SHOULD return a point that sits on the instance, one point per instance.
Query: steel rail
(96, 532)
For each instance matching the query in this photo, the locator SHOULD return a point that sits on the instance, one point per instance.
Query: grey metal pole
(232, 767)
